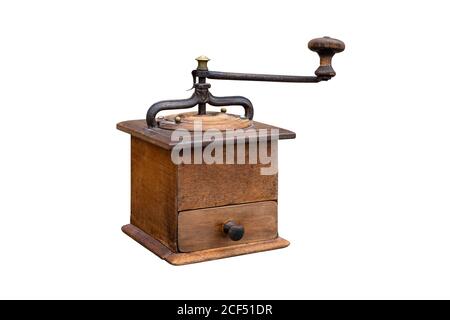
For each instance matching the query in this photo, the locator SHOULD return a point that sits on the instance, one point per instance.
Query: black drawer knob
(234, 231)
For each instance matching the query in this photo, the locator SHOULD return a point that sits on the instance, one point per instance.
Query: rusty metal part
(220, 75)
(200, 97)
(326, 47)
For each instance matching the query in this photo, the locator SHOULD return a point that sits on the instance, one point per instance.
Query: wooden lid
(163, 137)
(208, 121)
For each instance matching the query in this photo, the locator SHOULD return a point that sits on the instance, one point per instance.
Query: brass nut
(202, 63)
(224, 110)
(177, 119)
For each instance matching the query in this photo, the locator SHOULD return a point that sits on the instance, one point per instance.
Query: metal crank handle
(325, 47)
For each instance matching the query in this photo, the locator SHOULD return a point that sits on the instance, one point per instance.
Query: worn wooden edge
(150, 136)
(179, 259)
(226, 252)
(161, 137)
(147, 241)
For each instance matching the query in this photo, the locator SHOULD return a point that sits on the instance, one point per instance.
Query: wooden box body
(178, 211)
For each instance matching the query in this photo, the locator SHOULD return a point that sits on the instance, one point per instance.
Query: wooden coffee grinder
(197, 210)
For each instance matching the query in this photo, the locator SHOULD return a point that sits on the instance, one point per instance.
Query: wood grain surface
(226, 252)
(212, 185)
(153, 191)
(147, 241)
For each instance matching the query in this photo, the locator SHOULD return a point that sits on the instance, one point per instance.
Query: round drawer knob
(234, 231)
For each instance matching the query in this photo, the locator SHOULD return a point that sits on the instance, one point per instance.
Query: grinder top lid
(192, 121)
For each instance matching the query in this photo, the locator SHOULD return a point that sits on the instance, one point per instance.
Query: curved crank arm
(170, 105)
(232, 101)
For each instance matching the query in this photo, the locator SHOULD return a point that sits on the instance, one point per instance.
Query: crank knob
(326, 47)
(234, 231)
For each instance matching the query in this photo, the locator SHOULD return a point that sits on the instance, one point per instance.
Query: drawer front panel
(204, 228)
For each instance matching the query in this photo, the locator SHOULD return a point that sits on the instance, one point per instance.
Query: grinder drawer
(226, 226)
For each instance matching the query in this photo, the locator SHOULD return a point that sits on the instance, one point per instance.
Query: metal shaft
(202, 106)
(219, 75)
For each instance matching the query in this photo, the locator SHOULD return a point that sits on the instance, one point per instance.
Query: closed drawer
(204, 228)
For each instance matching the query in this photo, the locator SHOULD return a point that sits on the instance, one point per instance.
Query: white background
(363, 190)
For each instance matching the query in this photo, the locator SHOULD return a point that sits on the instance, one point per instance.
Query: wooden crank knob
(234, 231)
(326, 47)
